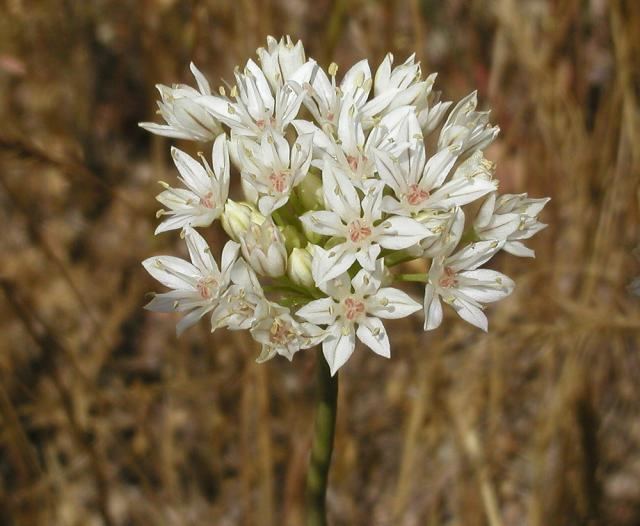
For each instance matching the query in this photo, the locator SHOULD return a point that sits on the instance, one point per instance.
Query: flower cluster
(341, 183)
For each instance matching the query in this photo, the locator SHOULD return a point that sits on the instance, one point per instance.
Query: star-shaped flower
(353, 309)
(198, 286)
(457, 280)
(203, 200)
(357, 224)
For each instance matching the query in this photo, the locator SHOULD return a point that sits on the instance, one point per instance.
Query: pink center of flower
(207, 200)
(416, 195)
(358, 230)
(280, 332)
(353, 162)
(448, 279)
(353, 308)
(278, 181)
(206, 287)
(262, 123)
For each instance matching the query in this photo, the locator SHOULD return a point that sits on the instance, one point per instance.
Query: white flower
(273, 168)
(352, 149)
(457, 280)
(360, 303)
(197, 286)
(186, 118)
(324, 99)
(355, 221)
(256, 109)
(236, 309)
(394, 87)
(429, 109)
(203, 200)
(466, 127)
(279, 333)
(445, 231)
(510, 218)
(263, 248)
(280, 60)
(420, 185)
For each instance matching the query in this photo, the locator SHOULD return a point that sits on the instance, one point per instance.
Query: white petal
(470, 313)
(338, 347)
(191, 319)
(200, 252)
(397, 233)
(172, 272)
(392, 303)
(339, 193)
(474, 255)
(193, 173)
(229, 256)
(319, 311)
(432, 308)
(484, 285)
(324, 222)
(517, 248)
(372, 333)
(203, 84)
(329, 264)
(367, 256)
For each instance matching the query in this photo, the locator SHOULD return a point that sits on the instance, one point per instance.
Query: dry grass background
(107, 418)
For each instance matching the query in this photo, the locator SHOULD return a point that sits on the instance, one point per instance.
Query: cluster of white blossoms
(341, 183)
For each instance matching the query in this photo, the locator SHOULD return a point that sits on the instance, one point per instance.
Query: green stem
(322, 447)
(420, 277)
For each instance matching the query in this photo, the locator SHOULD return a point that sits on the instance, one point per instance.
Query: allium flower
(457, 280)
(207, 190)
(342, 181)
(264, 249)
(273, 168)
(279, 333)
(354, 308)
(186, 118)
(420, 185)
(356, 222)
(468, 128)
(510, 218)
(197, 286)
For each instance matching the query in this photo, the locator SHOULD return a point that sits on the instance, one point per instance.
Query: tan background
(106, 418)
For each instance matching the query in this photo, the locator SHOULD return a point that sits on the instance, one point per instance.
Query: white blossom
(457, 280)
(264, 250)
(280, 60)
(355, 222)
(510, 218)
(273, 168)
(420, 185)
(468, 128)
(185, 116)
(353, 308)
(198, 285)
(279, 333)
(207, 189)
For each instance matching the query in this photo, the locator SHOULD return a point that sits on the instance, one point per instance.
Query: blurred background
(108, 419)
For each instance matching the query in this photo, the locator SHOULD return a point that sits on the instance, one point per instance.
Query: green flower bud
(310, 192)
(299, 268)
(237, 217)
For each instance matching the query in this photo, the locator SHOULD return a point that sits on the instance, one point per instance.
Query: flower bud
(310, 192)
(237, 217)
(299, 268)
(263, 248)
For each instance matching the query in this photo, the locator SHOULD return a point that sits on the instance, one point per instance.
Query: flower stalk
(322, 446)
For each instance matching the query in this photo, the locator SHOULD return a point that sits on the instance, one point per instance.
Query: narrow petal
(517, 248)
(172, 272)
(193, 173)
(484, 285)
(474, 255)
(319, 312)
(432, 308)
(398, 232)
(392, 303)
(338, 347)
(470, 313)
(372, 333)
(324, 222)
